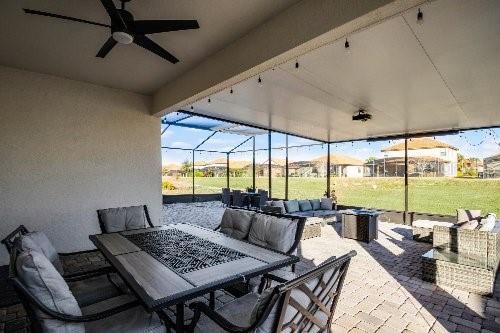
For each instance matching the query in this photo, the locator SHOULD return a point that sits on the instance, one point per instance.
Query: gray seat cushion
(38, 241)
(325, 213)
(123, 218)
(134, 320)
(272, 232)
(305, 205)
(236, 223)
(96, 289)
(46, 284)
(292, 206)
(309, 213)
(237, 312)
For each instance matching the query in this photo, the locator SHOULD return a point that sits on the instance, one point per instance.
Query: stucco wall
(68, 148)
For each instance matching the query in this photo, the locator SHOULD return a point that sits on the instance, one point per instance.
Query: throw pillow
(464, 215)
(316, 204)
(305, 205)
(292, 206)
(488, 223)
(469, 225)
(326, 204)
(236, 223)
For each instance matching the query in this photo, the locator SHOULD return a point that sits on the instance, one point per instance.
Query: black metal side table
(360, 224)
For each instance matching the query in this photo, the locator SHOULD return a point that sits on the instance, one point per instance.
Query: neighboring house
(341, 166)
(277, 168)
(491, 166)
(217, 167)
(171, 170)
(426, 157)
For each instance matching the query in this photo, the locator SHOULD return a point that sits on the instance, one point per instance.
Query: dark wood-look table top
(161, 282)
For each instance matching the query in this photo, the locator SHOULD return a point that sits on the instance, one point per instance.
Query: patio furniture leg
(179, 318)
(211, 301)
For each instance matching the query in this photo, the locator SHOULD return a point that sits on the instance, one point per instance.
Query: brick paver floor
(383, 291)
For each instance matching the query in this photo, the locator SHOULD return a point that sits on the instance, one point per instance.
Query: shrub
(166, 185)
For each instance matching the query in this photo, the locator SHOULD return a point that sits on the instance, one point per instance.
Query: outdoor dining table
(169, 265)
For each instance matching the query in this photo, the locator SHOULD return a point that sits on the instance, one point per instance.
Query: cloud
(179, 144)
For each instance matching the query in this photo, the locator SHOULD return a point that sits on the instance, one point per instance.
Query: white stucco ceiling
(68, 49)
(441, 75)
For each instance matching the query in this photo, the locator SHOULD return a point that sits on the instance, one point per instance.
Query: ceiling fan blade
(114, 15)
(69, 18)
(149, 45)
(110, 43)
(156, 26)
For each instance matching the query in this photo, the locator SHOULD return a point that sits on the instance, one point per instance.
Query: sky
(474, 143)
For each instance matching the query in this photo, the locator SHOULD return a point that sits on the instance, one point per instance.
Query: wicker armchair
(481, 244)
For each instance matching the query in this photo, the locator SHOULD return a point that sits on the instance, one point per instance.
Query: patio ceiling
(440, 75)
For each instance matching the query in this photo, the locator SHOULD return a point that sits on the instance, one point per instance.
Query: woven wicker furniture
(465, 272)
(361, 225)
(311, 229)
(465, 259)
(422, 229)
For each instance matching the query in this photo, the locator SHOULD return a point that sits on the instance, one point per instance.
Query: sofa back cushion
(316, 204)
(292, 206)
(305, 205)
(464, 215)
(236, 223)
(272, 232)
(45, 283)
(326, 204)
(38, 241)
(123, 218)
(487, 223)
(279, 204)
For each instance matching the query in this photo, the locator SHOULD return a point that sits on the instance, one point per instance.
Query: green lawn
(433, 195)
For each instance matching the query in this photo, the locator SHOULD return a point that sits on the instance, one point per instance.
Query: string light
(192, 107)
(347, 46)
(420, 17)
(297, 65)
(259, 81)
(231, 91)
(209, 100)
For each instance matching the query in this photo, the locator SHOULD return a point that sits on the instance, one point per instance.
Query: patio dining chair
(124, 218)
(304, 304)
(91, 281)
(51, 306)
(263, 198)
(237, 198)
(226, 197)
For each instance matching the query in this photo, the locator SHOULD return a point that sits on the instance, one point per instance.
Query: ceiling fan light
(123, 37)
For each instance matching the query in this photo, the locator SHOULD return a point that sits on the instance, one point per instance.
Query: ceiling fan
(126, 30)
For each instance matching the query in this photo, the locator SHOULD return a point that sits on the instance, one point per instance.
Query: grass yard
(434, 195)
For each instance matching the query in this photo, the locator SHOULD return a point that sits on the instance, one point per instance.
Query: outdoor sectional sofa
(317, 213)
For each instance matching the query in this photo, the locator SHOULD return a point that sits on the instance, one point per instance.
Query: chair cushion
(123, 218)
(316, 204)
(46, 284)
(38, 241)
(272, 232)
(130, 321)
(96, 289)
(464, 215)
(488, 223)
(325, 213)
(430, 224)
(237, 312)
(292, 206)
(326, 204)
(305, 205)
(280, 204)
(236, 223)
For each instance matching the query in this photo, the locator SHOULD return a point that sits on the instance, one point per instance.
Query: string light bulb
(297, 65)
(192, 107)
(231, 91)
(420, 17)
(209, 100)
(259, 81)
(347, 46)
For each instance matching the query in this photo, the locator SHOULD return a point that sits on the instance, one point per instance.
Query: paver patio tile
(347, 321)
(465, 322)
